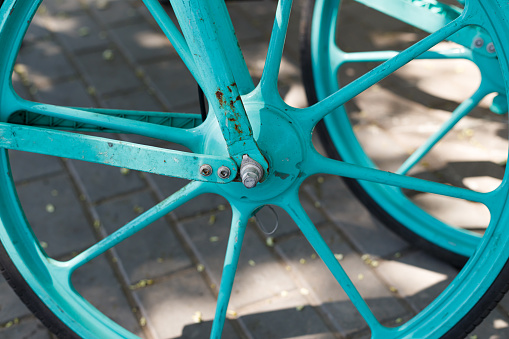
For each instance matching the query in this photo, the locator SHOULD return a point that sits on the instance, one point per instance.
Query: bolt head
(223, 172)
(490, 47)
(205, 170)
(479, 42)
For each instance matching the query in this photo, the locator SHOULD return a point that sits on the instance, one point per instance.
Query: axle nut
(250, 172)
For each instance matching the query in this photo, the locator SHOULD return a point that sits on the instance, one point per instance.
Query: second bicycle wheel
(416, 121)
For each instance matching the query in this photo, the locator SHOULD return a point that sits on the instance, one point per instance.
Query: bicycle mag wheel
(45, 284)
(322, 62)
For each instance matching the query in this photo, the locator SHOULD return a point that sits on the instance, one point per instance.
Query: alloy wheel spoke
(323, 165)
(240, 218)
(177, 199)
(181, 136)
(270, 73)
(315, 113)
(459, 113)
(296, 211)
(339, 57)
(173, 35)
(116, 153)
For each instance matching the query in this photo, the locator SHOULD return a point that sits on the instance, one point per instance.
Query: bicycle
(237, 153)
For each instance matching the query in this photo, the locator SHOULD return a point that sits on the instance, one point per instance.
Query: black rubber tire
(483, 307)
(373, 207)
(31, 300)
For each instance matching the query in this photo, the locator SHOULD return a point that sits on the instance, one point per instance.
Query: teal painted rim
(50, 279)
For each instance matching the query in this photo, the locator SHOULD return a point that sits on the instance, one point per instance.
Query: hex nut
(250, 172)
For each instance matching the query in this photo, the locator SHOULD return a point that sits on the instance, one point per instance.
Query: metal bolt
(478, 42)
(250, 172)
(490, 47)
(205, 170)
(223, 172)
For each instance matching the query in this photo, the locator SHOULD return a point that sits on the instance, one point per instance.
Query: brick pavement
(162, 282)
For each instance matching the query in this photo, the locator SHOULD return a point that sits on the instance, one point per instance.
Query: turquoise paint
(254, 120)
(113, 152)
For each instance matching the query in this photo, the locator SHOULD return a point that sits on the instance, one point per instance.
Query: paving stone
(153, 142)
(59, 7)
(11, 307)
(145, 13)
(504, 303)
(181, 307)
(368, 234)
(45, 165)
(69, 93)
(108, 76)
(103, 181)
(97, 284)
(150, 253)
(203, 203)
(37, 30)
(496, 325)
(382, 148)
(268, 218)
(244, 30)
(260, 14)
(139, 100)
(418, 277)
(141, 42)
(365, 19)
(45, 62)
(259, 275)
(18, 86)
(174, 81)
(255, 53)
(327, 290)
(293, 37)
(29, 328)
(55, 214)
(114, 12)
(459, 213)
(295, 96)
(453, 85)
(78, 32)
(286, 225)
(285, 316)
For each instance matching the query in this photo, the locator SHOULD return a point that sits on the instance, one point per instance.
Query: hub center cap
(278, 139)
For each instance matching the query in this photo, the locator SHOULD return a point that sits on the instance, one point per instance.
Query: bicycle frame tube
(215, 69)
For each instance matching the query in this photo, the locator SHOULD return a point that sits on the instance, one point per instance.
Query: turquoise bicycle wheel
(322, 27)
(278, 141)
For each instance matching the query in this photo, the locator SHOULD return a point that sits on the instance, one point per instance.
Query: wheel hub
(279, 140)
